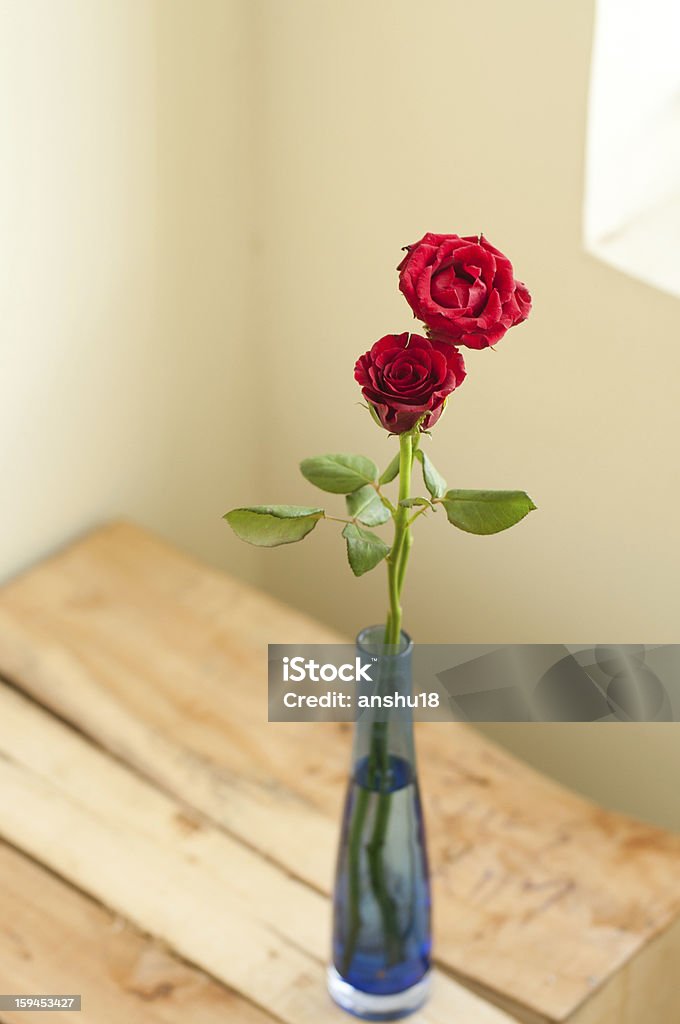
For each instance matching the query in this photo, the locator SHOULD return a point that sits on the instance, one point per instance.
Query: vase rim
(369, 647)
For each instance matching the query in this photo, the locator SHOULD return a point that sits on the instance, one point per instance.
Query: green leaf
(485, 512)
(409, 502)
(391, 471)
(270, 525)
(366, 506)
(434, 481)
(365, 550)
(339, 474)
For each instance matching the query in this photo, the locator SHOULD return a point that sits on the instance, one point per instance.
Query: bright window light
(632, 199)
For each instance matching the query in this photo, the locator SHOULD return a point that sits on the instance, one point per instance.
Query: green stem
(379, 752)
(354, 869)
(379, 741)
(406, 551)
(378, 760)
(401, 544)
(376, 865)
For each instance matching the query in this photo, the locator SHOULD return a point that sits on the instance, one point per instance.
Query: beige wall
(123, 220)
(387, 119)
(201, 208)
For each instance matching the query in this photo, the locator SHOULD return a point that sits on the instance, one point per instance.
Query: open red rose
(404, 376)
(463, 289)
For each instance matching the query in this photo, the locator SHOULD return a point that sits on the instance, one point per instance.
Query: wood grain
(545, 903)
(54, 939)
(216, 903)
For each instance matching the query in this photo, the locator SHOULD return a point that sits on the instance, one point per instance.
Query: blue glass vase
(381, 904)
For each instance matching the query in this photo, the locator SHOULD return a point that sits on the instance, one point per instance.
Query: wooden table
(168, 853)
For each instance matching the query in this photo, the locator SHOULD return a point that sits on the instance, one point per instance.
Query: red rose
(463, 289)
(404, 376)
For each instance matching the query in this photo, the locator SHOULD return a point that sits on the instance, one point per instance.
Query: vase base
(372, 1007)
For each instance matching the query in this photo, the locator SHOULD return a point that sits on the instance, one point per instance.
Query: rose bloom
(463, 289)
(404, 376)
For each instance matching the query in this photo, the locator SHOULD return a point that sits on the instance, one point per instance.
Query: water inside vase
(381, 941)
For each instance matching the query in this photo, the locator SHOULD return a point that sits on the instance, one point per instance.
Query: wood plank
(216, 903)
(647, 990)
(542, 898)
(54, 939)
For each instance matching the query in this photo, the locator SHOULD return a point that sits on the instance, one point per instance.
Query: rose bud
(463, 289)
(405, 377)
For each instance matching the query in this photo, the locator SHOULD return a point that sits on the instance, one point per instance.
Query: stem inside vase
(382, 924)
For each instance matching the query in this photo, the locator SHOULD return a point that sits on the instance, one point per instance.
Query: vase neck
(384, 704)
